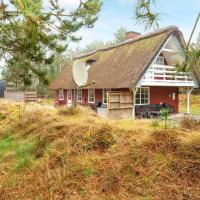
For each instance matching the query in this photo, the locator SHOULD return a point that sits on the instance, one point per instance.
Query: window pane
(137, 101)
(105, 96)
(79, 95)
(91, 97)
(137, 95)
(146, 101)
(142, 101)
(142, 96)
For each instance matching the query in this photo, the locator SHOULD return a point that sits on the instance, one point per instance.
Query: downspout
(188, 99)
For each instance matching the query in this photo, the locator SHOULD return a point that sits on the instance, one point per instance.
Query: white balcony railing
(164, 75)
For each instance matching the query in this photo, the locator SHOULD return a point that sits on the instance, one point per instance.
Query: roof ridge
(141, 37)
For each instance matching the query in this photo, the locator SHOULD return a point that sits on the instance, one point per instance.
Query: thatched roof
(122, 65)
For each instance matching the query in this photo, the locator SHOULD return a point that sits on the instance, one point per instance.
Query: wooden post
(134, 94)
(189, 90)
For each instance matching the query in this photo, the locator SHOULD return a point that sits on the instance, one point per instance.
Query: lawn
(194, 104)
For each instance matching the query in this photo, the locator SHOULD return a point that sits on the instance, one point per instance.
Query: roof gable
(167, 74)
(120, 66)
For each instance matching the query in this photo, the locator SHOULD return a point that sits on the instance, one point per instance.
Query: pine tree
(31, 36)
(120, 35)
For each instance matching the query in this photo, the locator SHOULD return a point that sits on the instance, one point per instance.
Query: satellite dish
(80, 73)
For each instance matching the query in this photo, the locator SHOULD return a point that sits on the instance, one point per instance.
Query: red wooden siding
(164, 95)
(58, 101)
(157, 95)
(98, 96)
(85, 97)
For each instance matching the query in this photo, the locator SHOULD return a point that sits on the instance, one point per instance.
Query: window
(142, 96)
(61, 94)
(105, 95)
(91, 96)
(79, 96)
(160, 60)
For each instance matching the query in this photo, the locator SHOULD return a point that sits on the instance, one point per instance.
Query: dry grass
(59, 154)
(190, 123)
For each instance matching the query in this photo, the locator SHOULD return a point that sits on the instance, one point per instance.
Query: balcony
(165, 75)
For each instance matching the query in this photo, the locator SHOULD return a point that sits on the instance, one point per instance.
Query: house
(2, 88)
(143, 65)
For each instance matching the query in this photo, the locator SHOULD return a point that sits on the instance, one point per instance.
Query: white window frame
(104, 92)
(139, 90)
(89, 95)
(79, 94)
(61, 94)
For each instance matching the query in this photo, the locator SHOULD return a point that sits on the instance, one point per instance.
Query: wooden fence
(120, 105)
(30, 96)
(21, 96)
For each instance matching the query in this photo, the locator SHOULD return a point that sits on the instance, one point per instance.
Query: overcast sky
(120, 13)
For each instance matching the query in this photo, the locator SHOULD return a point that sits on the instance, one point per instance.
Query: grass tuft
(190, 123)
(72, 110)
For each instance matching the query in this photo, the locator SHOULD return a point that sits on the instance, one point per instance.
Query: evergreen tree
(145, 14)
(31, 36)
(120, 35)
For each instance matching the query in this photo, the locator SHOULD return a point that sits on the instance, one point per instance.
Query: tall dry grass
(76, 155)
(190, 123)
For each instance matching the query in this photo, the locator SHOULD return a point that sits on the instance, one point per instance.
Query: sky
(120, 13)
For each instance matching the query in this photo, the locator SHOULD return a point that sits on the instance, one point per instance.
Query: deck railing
(165, 74)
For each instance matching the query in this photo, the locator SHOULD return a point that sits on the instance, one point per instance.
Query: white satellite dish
(80, 73)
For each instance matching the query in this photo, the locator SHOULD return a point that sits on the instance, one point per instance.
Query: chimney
(132, 34)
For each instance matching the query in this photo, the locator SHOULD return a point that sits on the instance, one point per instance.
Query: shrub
(165, 114)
